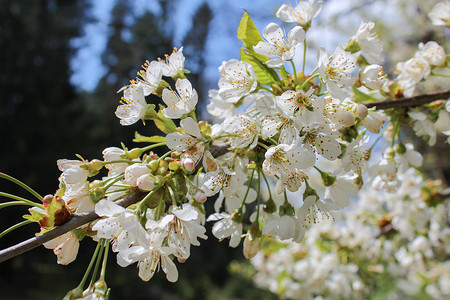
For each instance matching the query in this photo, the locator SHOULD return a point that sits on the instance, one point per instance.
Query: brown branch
(409, 101)
(216, 150)
(76, 221)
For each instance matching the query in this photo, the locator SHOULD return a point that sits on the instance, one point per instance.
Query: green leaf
(150, 139)
(34, 216)
(164, 124)
(250, 36)
(265, 75)
(361, 97)
(247, 32)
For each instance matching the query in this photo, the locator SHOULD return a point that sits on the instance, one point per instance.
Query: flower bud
(163, 167)
(47, 200)
(174, 165)
(133, 172)
(200, 197)
(345, 117)
(251, 246)
(188, 164)
(62, 216)
(361, 111)
(153, 165)
(146, 182)
(97, 194)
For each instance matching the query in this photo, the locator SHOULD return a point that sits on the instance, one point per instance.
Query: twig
(409, 101)
(76, 221)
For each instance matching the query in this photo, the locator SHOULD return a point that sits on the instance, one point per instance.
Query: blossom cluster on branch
(297, 142)
(389, 245)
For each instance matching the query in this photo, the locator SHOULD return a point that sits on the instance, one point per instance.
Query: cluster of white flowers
(418, 68)
(397, 251)
(294, 154)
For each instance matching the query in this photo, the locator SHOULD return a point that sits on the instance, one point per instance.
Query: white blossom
(226, 227)
(174, 63)
(244, 129)
(181, 103)
(440, 14)
(133, 105)
(302, 13)
(432, 52)
(218, 107)
(369, 42)
(237, 80)
(65, 247)
(334, 71)
(278, 46)
(373, 77)
(411, 73)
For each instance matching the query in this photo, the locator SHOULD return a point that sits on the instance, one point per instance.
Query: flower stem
(269, 90)
(25, 201)
(120, 177)
(97, 263)
(248, 189)
(314, 71)
(295, 72)
(21, 184)
(105, 260)
(91, 263)
(264, 146)
(440, 75)
(259, 195)
(6, 231)
(153, 146)
(12, 203)
(165, 155)
(308, 80)
(395, 133)
(283, 72)
(304, 56)
(267, 183)
(194, 117)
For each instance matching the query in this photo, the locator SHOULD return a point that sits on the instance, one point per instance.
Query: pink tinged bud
(251, 246)
(146, 182)
(47, 200)
(362, 111)
(200, 197)
(188, 164)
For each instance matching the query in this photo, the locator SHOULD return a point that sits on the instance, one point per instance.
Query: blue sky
(86, 64)
(222, 43)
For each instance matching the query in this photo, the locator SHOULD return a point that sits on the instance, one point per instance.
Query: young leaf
(150, 139)
(265, 75)
(361, 97)
(247, 32)
(164, 124)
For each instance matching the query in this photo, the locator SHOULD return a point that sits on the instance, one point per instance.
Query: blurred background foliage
(45, 117)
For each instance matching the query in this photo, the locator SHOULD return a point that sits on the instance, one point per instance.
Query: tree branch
(409, 101)
(76, 221)
(216, 150)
